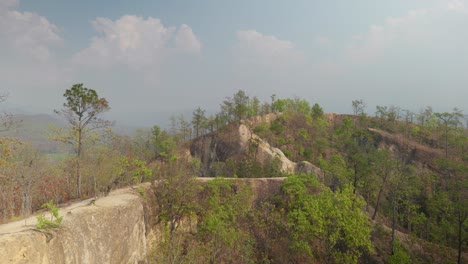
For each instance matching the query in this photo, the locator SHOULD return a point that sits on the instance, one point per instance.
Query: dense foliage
(305, 222)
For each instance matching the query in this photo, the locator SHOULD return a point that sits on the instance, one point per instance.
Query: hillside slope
(368, 151)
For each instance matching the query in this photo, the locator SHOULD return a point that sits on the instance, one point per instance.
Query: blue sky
(153, 58)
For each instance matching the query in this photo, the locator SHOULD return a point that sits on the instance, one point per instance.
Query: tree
(358, 107)
(449, 120)
(272, 105)
(176, 195)
(7, 121)
(400, 255)
(237, 107)
(400, 202)
(317, 111)
(184, 128)
(254, 106)
(142, 144)
(334, 218)
(225, 212)
(425, 115)
(337, 174)
(162, 144)
(394, 113)
(297, 105)
(391, 114)
(265, 108)
(199, 120)
(105, 167)
(19, 172)
(454, 204)
(357, 143)
(82, 111)
(28, 171)
(381, 112)
(180, 128)
(385, 166)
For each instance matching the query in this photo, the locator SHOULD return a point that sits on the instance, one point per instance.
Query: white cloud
(25, 33)
(323, 41)
(423, 29)
(458, 6)
(136, 42)
(6, 4)
(29, 67)
(186, 40)
(372, 45)
(412, 55)
(253, 47)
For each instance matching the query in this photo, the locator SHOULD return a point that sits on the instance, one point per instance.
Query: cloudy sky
(152, 58)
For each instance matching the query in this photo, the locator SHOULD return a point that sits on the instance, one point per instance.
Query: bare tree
(449, 120)
(7, 120)
(358, 107)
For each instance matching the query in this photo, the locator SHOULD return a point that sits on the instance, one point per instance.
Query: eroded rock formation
(238, 141)
(115, 229)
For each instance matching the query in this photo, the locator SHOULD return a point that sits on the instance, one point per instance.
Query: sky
(151, 59)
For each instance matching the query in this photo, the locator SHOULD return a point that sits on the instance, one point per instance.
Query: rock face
(110, 231)
(239, 141)
(308, 168)
(115, 229)
(216, 147)
(416, 151)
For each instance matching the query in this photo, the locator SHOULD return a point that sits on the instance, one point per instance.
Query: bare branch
(7, 120)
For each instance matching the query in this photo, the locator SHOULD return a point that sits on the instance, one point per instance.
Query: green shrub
(55, 219)
(400, 255)
(141, 190)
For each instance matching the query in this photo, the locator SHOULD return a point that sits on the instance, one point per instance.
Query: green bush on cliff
(55, 219)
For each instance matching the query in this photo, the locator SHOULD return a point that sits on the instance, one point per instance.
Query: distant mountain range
(35, 129)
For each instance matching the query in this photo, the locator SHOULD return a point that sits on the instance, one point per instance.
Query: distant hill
(35, 129)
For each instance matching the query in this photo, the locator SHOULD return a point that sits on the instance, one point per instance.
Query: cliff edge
(109, 230)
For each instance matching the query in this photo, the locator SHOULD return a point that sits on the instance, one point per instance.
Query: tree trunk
(24, 199)
(393, 224)
(355, 179)
(377, 203)
(378, 196)
(26, 203)
(461, 220)
(78, 171)
(446, 141)
(408, 216)
(78, 179)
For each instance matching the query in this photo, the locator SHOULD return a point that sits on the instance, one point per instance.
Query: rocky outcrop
(216, 147)
(257, 120)
(309, 168)
(236, 142)
(414, 150)
(111, 230)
